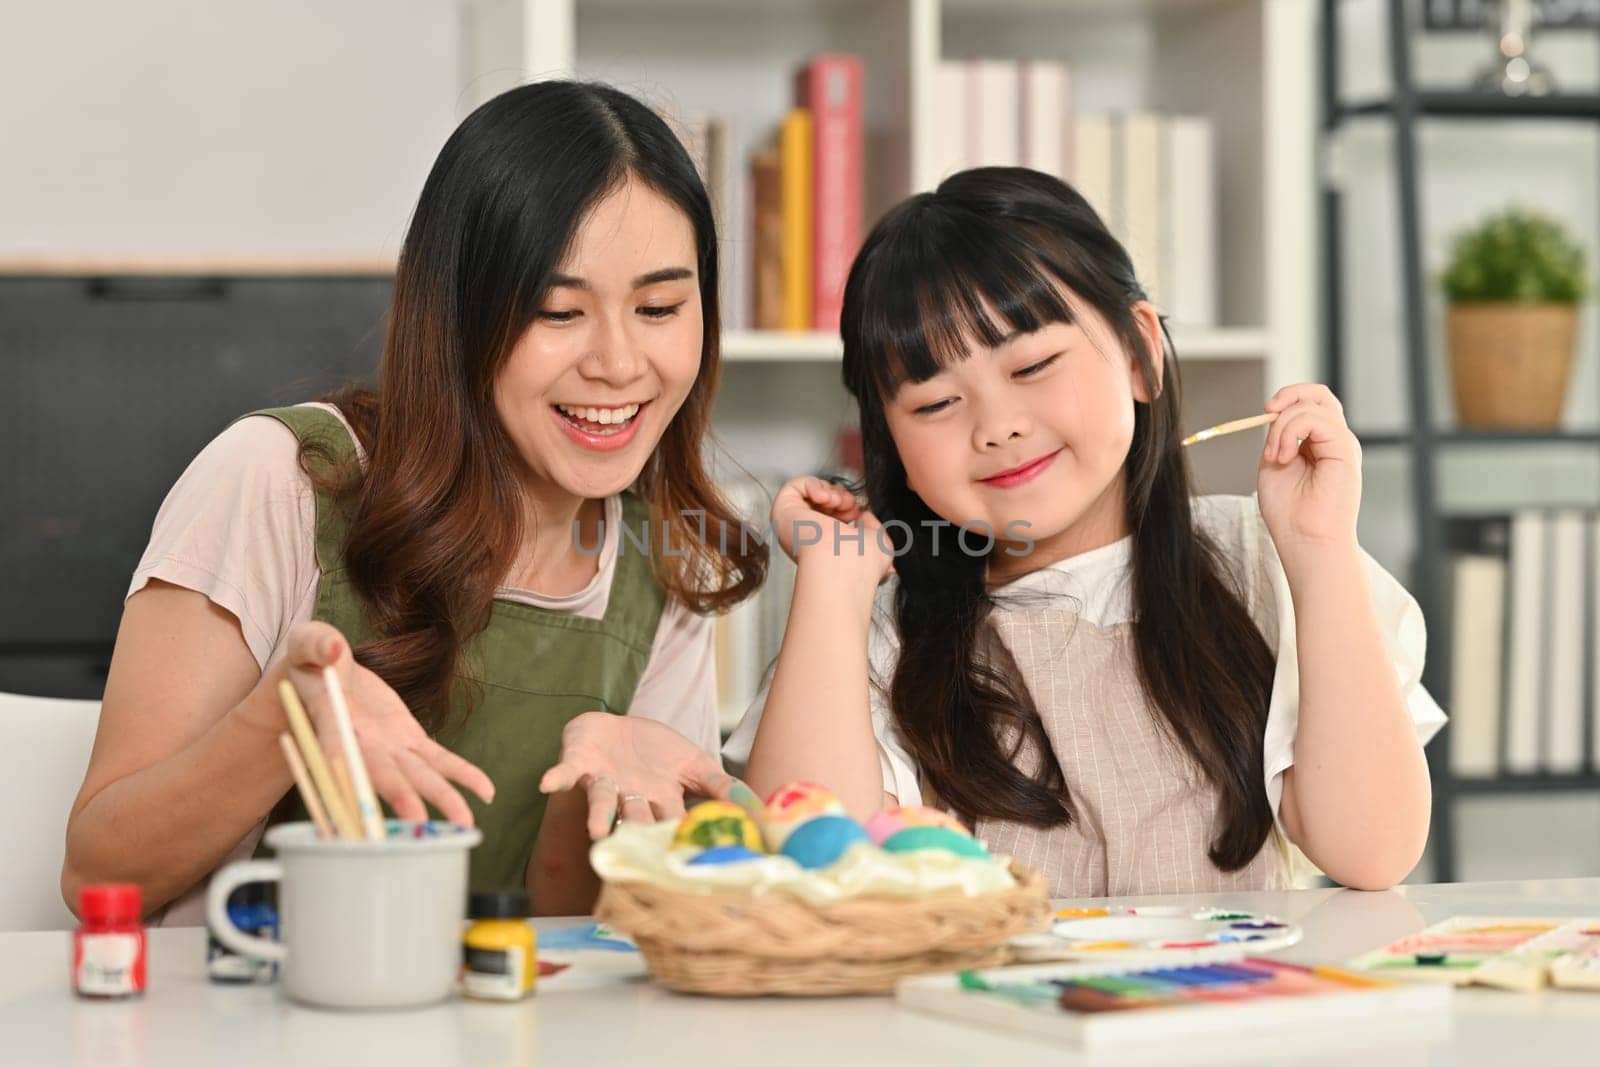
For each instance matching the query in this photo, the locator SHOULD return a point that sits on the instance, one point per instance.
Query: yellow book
(794, 147)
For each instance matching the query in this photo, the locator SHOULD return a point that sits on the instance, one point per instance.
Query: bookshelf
(1441, 459)
(735, 58)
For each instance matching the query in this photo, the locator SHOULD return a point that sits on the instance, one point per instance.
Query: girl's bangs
(940, 292)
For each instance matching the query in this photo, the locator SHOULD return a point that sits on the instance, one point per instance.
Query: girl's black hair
(992, 252)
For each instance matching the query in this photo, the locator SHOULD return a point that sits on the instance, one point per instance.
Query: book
(1563, 741)
(830, 88)
(1046, 106)
(1140, 186)
(738, 633)
(993, 127)
(1525, 665)
(1189, 236)
(1478, 568)
(1093, 167)
(951, 93)
(794, 147)
(708, 141)
(1503, 953)
(766, 215)
(1593, 644)
(1094, 1006)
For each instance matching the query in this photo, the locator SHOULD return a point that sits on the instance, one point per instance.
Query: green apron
(531, 670)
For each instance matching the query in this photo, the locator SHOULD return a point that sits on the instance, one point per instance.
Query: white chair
(44, 748)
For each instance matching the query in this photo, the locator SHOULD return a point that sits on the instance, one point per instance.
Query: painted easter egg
(819, 842)
(917, 838)
(716, 822)
(891, 821)
(792, 805)
(723, 854)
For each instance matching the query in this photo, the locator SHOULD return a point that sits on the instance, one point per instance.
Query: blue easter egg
(821, 841)
(917, 838)
(721, 854)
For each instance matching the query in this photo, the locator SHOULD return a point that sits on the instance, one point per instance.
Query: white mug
(365, 924)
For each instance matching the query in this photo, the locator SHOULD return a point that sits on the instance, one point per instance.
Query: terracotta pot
(1511, 363)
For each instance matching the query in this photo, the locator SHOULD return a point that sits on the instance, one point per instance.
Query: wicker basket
(737, 944)
(1510, 363)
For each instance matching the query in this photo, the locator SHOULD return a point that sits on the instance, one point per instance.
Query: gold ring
(634, 796)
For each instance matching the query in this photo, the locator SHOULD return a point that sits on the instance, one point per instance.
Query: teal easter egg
(917, 838)
(821, 841)
(722, 854)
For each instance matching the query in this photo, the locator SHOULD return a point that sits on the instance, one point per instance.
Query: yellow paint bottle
(499, 950)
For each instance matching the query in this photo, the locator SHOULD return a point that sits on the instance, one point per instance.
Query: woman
(552, 343)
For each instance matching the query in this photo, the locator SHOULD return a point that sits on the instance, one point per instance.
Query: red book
(830, 87)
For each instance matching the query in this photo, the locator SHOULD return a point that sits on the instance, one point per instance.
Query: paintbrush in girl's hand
(1230, 427)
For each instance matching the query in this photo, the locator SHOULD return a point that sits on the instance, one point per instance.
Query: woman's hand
(406, 766)
(632, 767)
(816, 518)
(1309, 482)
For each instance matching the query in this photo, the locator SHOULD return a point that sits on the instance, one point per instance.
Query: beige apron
(1145, 817)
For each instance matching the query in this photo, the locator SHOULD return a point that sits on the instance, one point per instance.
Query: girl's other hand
(1309, 481)
(406, 766)
(632, 768)
(811, 517)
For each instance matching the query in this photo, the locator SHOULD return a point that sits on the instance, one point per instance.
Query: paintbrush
(344, 820)
(1230, 427)
(302, 782)
(367, 809)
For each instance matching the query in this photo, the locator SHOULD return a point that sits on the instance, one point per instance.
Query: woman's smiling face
(595, 379)
(1027, 439)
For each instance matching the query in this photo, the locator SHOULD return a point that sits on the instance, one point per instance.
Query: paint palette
(1096, 1005)
(1521, 954)
(1154, 933)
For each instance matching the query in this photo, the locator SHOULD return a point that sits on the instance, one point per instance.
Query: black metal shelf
(1468, 438)
(1463, 105)
(1404, 112)
(1519, 784)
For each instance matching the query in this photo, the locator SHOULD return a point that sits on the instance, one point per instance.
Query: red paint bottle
(108, 948)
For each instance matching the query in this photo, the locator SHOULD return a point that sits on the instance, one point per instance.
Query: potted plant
(1513, 284)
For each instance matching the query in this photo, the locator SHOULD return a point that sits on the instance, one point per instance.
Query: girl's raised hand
(406, 766)
(1309, 482)
(810, 516)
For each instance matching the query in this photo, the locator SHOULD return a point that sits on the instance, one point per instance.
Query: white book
(1592, 644)
(1525, 664)
(1190, 233)
(1093, 167)
(951, 84)
(1569, 587)
(738, 634)
(1045, 116)
(1477, 649)
(992, 113)
(1139, 165)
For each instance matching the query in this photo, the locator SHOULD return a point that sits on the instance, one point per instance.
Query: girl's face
(593, 382)
(1028, 439)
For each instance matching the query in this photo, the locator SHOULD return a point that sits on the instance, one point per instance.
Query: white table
(602, 1012)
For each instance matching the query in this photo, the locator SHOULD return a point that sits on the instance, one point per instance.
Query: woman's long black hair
(988, 254)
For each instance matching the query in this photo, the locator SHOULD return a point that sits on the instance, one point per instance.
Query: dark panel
(111, 388)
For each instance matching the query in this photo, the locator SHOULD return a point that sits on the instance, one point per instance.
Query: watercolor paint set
(1519, 954)
(1094, 1005)
(1154, 933)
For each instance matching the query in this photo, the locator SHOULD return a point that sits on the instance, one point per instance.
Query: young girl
(550, 364)
(1134, 690)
